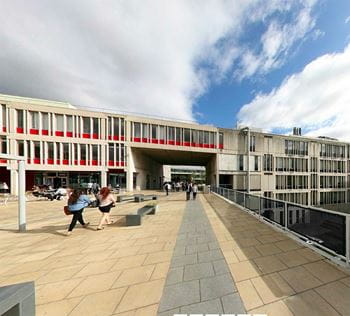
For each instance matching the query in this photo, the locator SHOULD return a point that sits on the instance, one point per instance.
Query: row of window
(295, 147)
(332, 151)
(330, 182)
(160, 134)
(291, 164)
(291, 182)
(332, 166)
(332, 197)
(299, 198)
(54, 153)
(3, 120)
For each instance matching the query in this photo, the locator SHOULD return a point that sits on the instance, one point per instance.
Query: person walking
(167, 185)
(188, 191)
(76, 204)
(194, 190)
(107, 201)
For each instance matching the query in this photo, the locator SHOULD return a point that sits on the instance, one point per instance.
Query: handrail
(337, 249)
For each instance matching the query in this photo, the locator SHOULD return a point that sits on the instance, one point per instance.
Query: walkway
(208, 247)
(199, 280)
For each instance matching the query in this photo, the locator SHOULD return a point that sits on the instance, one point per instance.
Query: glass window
(37, 150)
(221, 139)
(69, 123)
(86, 125)
(59, 122)
(206, 138)
(20, 148)
(58, 151)
(3, 145)
(34, 117)
(65, 151)
(20, 118)
(162, 132)
(45, 121)
(144, 130)
(122, 152)
(116, 126)
(122, 127)
(194, 136)
(137, 130)
(200, 137)
(252, 143)
(111, 152)
(187, 136)
(50, 150)
(154, 132)
(109, 126)
(3, 115)
(94, 152)
(171, 133)
(117, 153)
(95, 125)
(178, 134)
(241, 163)
(83, 153)
(256, 163)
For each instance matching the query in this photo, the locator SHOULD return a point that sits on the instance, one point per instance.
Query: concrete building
(69, 146)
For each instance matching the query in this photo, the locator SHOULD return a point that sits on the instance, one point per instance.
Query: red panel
(178, 143)
(28, 161)
(95, 136)
(193, 144)
(154, 141)
(65, 161)
(144, 140)
(212, 146)
(94, 162)
(122, 138)
(19, 130)
(206, 145)
(82, 162)
(187, 143)
(115, 137)
(137, 139)
(221, 146)
(4, 129)
(161, 141)
(75, 162)
(44, 132)
(200, 145)
(69, 134)
(36, 160)
(109, 137)
(50, 161)
(85, 135)
(171, 142)
(3, 160)
(110, 163)
(34, 131)
(117, 163)
(122, 164)
(59, 133)
(58, 162)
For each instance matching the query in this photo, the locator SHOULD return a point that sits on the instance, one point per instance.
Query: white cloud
(347, 20)
(155, 57)
(317, 99)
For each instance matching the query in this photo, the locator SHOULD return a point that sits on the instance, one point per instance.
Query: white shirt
(107, 201)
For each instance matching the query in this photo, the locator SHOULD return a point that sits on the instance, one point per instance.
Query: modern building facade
(68, 146)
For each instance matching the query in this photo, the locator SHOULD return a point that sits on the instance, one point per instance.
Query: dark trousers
(188, 196)
(194, 195)
(77, 216)
(167, 191)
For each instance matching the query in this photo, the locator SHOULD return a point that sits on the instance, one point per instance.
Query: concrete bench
(142, 197)
(139, 197)
(136, 219)
(123, 198)
(17, 299)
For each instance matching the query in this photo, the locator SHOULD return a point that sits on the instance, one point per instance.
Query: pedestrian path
(199, 280)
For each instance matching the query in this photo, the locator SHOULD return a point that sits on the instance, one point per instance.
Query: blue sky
(221, 104)
(271, 64)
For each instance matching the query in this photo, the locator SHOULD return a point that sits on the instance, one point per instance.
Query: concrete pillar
(14, 182)
(21, 196)
(103, 178)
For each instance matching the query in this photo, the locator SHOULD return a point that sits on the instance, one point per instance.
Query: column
(103, 178)
(14, 182)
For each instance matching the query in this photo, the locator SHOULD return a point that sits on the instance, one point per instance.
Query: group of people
(77, 201)
(189, 187)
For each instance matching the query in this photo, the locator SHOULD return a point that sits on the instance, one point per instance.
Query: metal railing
(325, 229)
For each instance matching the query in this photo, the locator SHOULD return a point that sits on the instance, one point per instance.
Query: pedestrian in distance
(107, 201)
(167, 185)
(194, 190)
(188, 191)
(76, 204)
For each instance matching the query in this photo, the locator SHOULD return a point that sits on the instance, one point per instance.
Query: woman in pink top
(106, 203)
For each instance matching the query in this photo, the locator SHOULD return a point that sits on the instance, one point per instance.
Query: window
(50, 151)
(45, 121)
(221, 140)
(20, 121)
(95, 126)
(122, 128)
(109, 126)
(256, 163)
(117, 152)
(206, 138)
(200, 137)
(195, 137)
(20, 148)
(94, 154)
(162, 134)
(116, 126)
(34, 117)
(3, 145)
(59, 122)
(3, 117)
(37, 150)
(58, 153)
(111, 152)
(137, 130)
(66, 152)
(187, 136)
(69, 124)
(171, 134)
(241, 162)
(83, 153)
(86, 126)
(268, 162)
(144, 132)
(252, 143)
(154, 132)
(122, 153)
(178, 135)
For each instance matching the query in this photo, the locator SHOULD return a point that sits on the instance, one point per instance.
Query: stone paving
(199, 280)
(210, 250)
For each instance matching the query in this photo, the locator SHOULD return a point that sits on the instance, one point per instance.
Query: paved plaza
(204, 256)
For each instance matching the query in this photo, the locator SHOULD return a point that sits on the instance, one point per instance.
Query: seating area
(136, 219)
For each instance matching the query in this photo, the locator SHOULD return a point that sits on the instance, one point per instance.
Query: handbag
(66, 210)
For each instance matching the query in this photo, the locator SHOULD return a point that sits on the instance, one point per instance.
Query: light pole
(247, 131)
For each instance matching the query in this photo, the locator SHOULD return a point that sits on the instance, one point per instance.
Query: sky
(269, 64)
